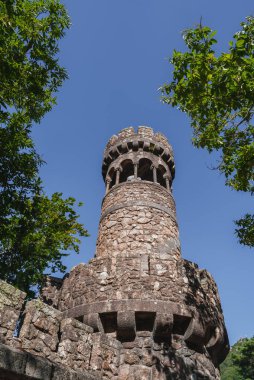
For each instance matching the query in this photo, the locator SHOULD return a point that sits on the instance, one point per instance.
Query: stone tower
(137, 311)
(163, 312)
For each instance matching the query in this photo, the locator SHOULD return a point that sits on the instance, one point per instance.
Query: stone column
(108, 181)
(154, 173)
(167, 179)
(117, 175)
(135, 171)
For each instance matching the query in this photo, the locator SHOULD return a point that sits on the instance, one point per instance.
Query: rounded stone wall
(137, 217)
(172, 300)
(139, 190)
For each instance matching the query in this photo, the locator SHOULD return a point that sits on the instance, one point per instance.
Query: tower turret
(138, 210)
(164, 310)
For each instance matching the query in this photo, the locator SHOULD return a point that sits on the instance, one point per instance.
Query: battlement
(142, 131)
(127, 142)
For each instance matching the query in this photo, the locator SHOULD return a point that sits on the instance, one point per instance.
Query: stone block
(195, 333)
(126, 325)
(60, 373)
(39, 332)
(163, 327)
(10, 296)
(11, 303)
(12, 359)
(38, 368)
(140, 372)
(124, 372)
(93, 320)
(75, 346)
(218, 345)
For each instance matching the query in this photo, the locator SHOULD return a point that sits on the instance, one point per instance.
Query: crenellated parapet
(144, 155)
(143, 133)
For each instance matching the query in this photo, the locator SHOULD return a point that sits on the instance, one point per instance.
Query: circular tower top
(143, 155)
(138, 210)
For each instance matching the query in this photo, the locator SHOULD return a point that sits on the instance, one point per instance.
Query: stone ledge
(128, 304)
(172, 317)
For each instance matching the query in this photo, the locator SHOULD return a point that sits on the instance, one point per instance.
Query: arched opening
(112, 176)
(160, 176)
(144, 170)
(127, 172)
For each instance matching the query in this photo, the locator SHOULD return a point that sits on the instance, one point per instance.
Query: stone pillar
(135, 171)
(118, 176)
(167, 183)
(108, 181)
(154, 173)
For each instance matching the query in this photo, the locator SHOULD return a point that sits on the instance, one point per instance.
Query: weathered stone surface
(105, 356)
(11, 303)
(126, 326)
(39, 332)
(75, 346)
(38, 368)
(52, 289)
(12, 359)
(20, 365)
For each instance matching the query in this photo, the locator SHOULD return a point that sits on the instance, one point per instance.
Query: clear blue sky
(116, 54)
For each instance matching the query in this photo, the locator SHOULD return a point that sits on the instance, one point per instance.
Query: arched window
(127, 172)
(160, 176)
(144, 170)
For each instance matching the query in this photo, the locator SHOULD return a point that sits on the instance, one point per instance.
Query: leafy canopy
(29, 70)
(217, 93)
(239, 364)
(36, 231)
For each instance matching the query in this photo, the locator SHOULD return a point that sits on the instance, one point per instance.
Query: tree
(217, 93)
(239, 364)
(36, 231)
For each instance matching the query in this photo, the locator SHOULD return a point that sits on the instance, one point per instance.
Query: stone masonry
(137, 310)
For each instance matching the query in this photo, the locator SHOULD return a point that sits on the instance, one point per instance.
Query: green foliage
(217, 92)
(239, 364)
(29, 70)
(35, 237)
(245, 232)
(36, 231)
